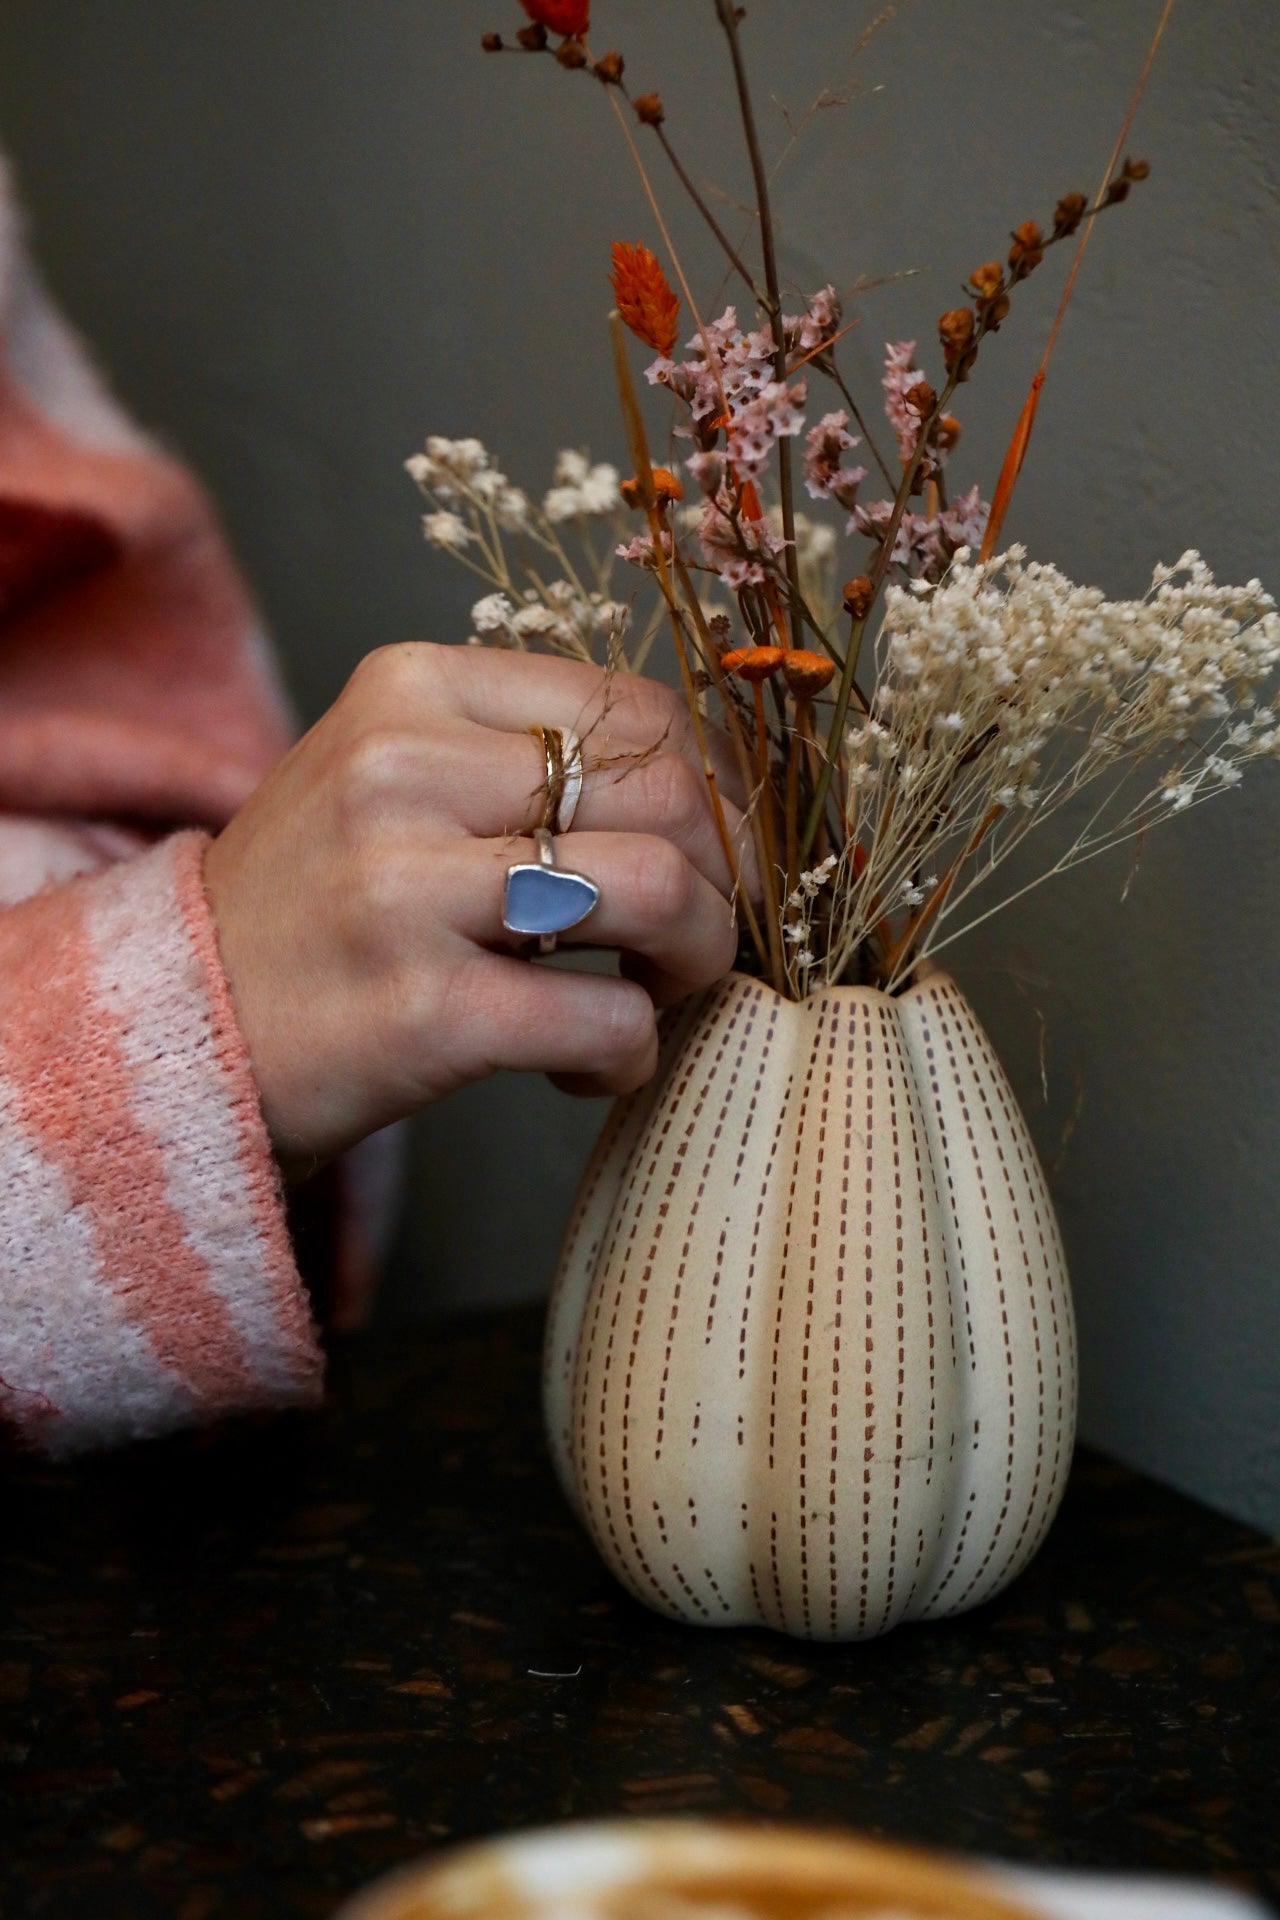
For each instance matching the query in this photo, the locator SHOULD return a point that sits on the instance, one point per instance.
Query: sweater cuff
(147, 1279)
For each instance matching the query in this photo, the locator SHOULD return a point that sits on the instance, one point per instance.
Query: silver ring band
(544, 900)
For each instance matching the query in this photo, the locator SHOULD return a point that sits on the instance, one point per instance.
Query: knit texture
(146, 1273)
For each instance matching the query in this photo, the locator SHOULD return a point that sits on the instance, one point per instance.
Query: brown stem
(727, 15)
(730, 251)
(772, 905)
(639, 446)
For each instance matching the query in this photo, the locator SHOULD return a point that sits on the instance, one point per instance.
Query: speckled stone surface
(241, 1674)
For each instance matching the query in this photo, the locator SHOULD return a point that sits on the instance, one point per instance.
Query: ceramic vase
(810, 1357)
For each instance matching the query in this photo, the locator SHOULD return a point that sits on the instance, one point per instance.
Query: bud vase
(810, 1357)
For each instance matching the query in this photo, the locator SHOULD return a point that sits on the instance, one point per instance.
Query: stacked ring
(562, 788)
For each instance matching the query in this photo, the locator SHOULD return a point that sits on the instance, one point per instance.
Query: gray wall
(303, 234)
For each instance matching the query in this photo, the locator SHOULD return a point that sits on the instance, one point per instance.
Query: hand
(358, 894)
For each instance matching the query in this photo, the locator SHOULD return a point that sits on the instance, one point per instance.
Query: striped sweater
(147, 1278)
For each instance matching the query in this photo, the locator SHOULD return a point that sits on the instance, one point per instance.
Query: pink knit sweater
(146, 1273)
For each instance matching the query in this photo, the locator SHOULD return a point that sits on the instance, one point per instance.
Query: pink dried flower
(824, 477)
(639, 552)
(808, 331)
(775, 414)
(739, 549)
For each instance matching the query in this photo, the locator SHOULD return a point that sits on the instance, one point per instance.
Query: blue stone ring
(543, 899)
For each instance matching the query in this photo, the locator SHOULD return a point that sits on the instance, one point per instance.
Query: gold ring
(552, 741)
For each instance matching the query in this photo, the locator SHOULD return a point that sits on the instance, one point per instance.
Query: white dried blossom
(493, 614)
(582, 490)
(447, 530)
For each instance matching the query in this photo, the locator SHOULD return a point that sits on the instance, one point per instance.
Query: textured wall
(303, 234)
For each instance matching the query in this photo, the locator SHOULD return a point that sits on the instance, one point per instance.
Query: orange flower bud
(753, 663)
(806, 673)
(1068, 214)
(571, 54)
(491, 42)
(645, 300)
(858, 594)
(987, 279)
(609, 69)
(649, 109)
(1027, 250)
(666, 488)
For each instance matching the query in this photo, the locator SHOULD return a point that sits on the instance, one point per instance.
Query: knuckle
(375, 765)
(662, 880)
(388, 673)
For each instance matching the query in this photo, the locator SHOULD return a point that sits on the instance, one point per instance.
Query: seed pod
(571, 54)
(649, 109)
(955, 331)
(806, 673)
(1136, 169)
(1068, 214)
(491, 42)
(858, 595)
(1027, 250)
(921, 398)
(533, 39)
(986, 279)
(609, 69)
(754, 663)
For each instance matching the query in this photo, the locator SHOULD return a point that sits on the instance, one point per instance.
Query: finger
(494, 784)
(653, 901)
(615, 715)
(597, 1030)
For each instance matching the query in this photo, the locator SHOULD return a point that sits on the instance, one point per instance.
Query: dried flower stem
(730, 251)
(728, 18)
(639, 446)
(1026, 420)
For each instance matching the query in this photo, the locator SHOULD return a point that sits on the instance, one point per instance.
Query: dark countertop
(242, 1673)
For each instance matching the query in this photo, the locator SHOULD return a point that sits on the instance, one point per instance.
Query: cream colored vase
(810, 1358)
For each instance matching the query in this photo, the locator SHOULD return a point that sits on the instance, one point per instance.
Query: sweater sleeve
(147, 1279)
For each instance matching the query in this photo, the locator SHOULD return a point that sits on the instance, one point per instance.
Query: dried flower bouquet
(903, 733)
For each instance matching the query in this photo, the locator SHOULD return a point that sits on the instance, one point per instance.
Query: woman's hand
(358, 894)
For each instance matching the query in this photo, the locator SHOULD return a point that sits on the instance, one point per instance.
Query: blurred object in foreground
(706, 1870)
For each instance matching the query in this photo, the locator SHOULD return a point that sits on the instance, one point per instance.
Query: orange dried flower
(491, 42)
(645, 301)
(571, 54)
(1027, 250)
(533, 39)
(948, 431)
(754, 663)
(649, 109)
(1136, 169)
(562, 16)
(921, 398)
(609, 68)
(666, 487)
(806, 673)
(985, 280)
